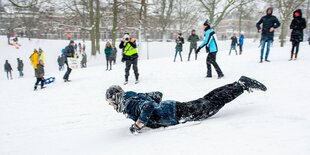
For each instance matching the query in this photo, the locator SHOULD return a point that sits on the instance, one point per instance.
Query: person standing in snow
(84, 60)
(212, 49)
(69, 52)
(270, 23)
(109, 55)
(193, 39)
(179, 46)
(8, 69)
(241, 41)
(148, 109)
(234, 42)
(114, 54)
(34, 58)
(298, 24)
(130, 56)
(39, 75)
(20, 67)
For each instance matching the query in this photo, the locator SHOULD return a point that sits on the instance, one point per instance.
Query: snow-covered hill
(74, 118)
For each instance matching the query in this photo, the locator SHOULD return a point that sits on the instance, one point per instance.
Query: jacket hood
(270, 8)
(299, 11)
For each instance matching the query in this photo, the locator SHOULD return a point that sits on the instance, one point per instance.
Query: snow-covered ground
(74, 118)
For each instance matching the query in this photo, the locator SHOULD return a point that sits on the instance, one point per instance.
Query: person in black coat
(270, 23)
(20, 67)
(69, 52)
(234, 42)
(8, 69)
(298, 24)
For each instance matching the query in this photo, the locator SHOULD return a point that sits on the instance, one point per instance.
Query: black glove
(134, 129)
(123, 59)
(198, 50)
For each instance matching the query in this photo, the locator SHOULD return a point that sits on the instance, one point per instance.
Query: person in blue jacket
(241, 41)
(148, 109)
(211, 47)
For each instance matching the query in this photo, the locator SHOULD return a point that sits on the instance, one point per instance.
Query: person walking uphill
(130, 56)
(8, 69)
(270, 23)
(212, 49)
(179, 46)
(39, 75)
(109, 55)
(148, 109)
(298, 24)
(69, 52)
(193, 39)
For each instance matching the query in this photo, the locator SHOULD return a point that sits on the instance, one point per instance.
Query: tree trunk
(283, 33)
(98, 16)
(92, 31)
(115, 14)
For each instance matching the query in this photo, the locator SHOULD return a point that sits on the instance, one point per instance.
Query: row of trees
(144, 15)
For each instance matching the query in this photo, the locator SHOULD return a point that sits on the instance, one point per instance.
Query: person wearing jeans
(270, 23)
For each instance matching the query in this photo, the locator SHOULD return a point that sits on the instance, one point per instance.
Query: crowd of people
(266, 27)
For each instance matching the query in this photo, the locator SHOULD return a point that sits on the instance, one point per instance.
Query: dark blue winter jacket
(210, 41)
(241, 39)
(149, 110)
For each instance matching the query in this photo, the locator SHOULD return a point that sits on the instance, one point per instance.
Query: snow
(74, 118)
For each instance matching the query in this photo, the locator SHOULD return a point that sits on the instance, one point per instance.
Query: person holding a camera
(179, 46)
(130, 56)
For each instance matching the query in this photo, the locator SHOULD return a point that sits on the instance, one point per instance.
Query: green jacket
(193, 39)
(180, 42)
(108, 51)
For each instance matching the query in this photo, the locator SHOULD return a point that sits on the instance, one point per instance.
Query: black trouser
(21, 74)
(109, 61)
(211, 60)
(240, 48)
(295, 44)
(7, 74)
(39, 80)
(208, 105)
(190, 52)
(67, 74)
(133, 62)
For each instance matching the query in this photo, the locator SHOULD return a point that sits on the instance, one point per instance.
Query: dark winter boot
(248, 84)
(295, 56)
(292, 54)
(35, 88)
(261, 61)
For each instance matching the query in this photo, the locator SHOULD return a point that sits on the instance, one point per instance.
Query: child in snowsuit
(39, 75)
(148, 109)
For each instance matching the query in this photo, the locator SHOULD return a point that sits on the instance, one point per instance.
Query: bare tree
(114, 23)
(24, 3)
(98, 17)
(187, 14)
(164, 9)
(217, 10)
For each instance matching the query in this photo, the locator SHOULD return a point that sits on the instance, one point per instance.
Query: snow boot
(248, 84)
(35, 88)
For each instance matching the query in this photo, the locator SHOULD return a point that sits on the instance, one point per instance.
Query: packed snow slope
(74, 118)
